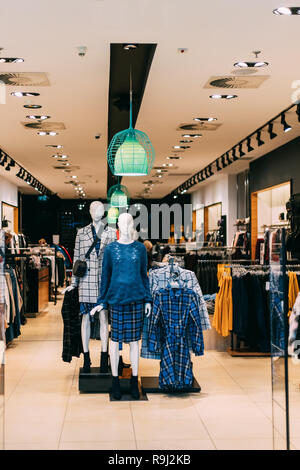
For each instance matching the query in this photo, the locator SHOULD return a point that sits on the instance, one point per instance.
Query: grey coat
(89, 285)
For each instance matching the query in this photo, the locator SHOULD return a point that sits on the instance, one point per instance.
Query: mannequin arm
(96, 309)
(68, 289)
(148, 309)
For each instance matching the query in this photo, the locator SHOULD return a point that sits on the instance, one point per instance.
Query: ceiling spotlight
(181, 147)
(186, 141)
(10, 60)
(287, 11)
(249, 148)
(175, 196)
(218, 165)
(209, 119)
(19, 94)
(224, 164)
(223, 97)
(175, 157)
(32, 106)
(258, 138)
(270, 130)
(241, 152)
(228, 158)
(234, 157)
(210, 171)
(129, 47)
(298, 111)
(38, 118)
(286, 126)
(4, 160)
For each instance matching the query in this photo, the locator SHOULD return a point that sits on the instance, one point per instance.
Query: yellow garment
(223, 315)
(293, 290)
(222, 268)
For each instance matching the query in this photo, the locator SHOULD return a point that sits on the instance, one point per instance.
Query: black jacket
(72, 344)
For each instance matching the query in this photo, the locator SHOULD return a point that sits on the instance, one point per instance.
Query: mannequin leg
(104, 341)
(114, 357)
(85, 336)
(104, 330)
(134, 357)
(114, 361)
(85, 332)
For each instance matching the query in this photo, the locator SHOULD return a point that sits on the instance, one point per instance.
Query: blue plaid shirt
(175, 316)
(160, 279)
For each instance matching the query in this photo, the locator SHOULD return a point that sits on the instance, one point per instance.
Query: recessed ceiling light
(248, 64)
(181, 147)
(209, 119)
(174, 158)
(55, 146)
(38, 117)
(19, 94)
(129, 47)
(287, 11)
(186, 141)
(10, 60)
(223, 97)
(47, 133)
(74, 176)
(193, 136)
(32, 106)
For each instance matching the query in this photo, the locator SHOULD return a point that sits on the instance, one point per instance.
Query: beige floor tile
(190, 444)
(41, 446)
(244, 444)
(236, 428)
(163, 426)
(102, 445)
(117, 428)
(33, 432)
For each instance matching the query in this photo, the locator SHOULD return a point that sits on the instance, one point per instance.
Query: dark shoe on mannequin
(116, 389)
(86, 363)
(134, 386)
(104, 362)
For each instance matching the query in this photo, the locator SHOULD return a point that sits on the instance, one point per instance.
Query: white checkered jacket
(89, 285)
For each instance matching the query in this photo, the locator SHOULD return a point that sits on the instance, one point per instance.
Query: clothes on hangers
(222, 319)
(13, 304)
(175, 311)
(293, 290)
(72, 343)
(160, 279)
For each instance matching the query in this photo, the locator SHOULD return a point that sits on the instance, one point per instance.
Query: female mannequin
(133, 262)
(89, 285)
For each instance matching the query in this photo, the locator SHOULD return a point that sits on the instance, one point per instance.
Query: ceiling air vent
(199, 126)
(24, 79)
(44, 126)
(236, 82)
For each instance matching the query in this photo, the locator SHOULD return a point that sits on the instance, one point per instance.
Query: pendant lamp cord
(130, 109)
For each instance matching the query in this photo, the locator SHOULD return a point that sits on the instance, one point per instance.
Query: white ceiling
(216, 33)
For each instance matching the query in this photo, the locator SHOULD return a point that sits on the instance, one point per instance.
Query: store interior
(149, 225)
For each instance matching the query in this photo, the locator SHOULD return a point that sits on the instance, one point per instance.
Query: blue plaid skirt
(126, 322)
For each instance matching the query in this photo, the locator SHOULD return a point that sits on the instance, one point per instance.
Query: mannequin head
(125, 224)
(96, 210)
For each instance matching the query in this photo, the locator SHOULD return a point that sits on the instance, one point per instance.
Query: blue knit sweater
(124, 276)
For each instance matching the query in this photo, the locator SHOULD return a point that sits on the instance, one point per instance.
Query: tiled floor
(44, 409)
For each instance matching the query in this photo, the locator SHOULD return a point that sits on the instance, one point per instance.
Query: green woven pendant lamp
(118, 196)
(130, 152)
(112, 215)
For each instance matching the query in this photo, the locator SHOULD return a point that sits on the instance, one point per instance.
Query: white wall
(222, 189)
(8, 194)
